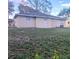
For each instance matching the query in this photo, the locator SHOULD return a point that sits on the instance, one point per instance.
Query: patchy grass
(26, 43)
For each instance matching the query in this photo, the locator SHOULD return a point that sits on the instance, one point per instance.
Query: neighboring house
(35, 19)
(11, 23)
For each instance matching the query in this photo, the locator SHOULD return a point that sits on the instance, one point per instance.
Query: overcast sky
(57, 6)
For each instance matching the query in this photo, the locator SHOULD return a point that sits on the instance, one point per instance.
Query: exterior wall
(57, 23)
(24, 22)
(48, 23)
(43, 23)
(67, 23)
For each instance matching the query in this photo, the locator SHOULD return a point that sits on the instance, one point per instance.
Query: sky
(57, 6)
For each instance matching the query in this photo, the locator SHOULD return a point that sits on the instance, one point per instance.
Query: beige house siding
(43, 23)
(67, 23)
(48, 23)
(57, 23)
(24, 22)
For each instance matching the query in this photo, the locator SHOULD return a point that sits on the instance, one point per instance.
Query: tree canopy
(44, 6)
(10, 7)
(65, 12)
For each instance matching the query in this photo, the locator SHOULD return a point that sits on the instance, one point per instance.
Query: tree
(44, 6)
(10, 7)
(65, 12)
(21, 8)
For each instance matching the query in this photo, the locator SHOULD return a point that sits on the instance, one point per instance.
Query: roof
(30, 12)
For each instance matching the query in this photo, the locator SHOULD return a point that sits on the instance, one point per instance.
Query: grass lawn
(34, 43)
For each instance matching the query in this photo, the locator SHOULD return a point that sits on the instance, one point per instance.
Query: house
(36, 19)
(11, 23)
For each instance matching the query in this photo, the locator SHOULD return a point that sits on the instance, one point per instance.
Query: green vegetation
(33, 43)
